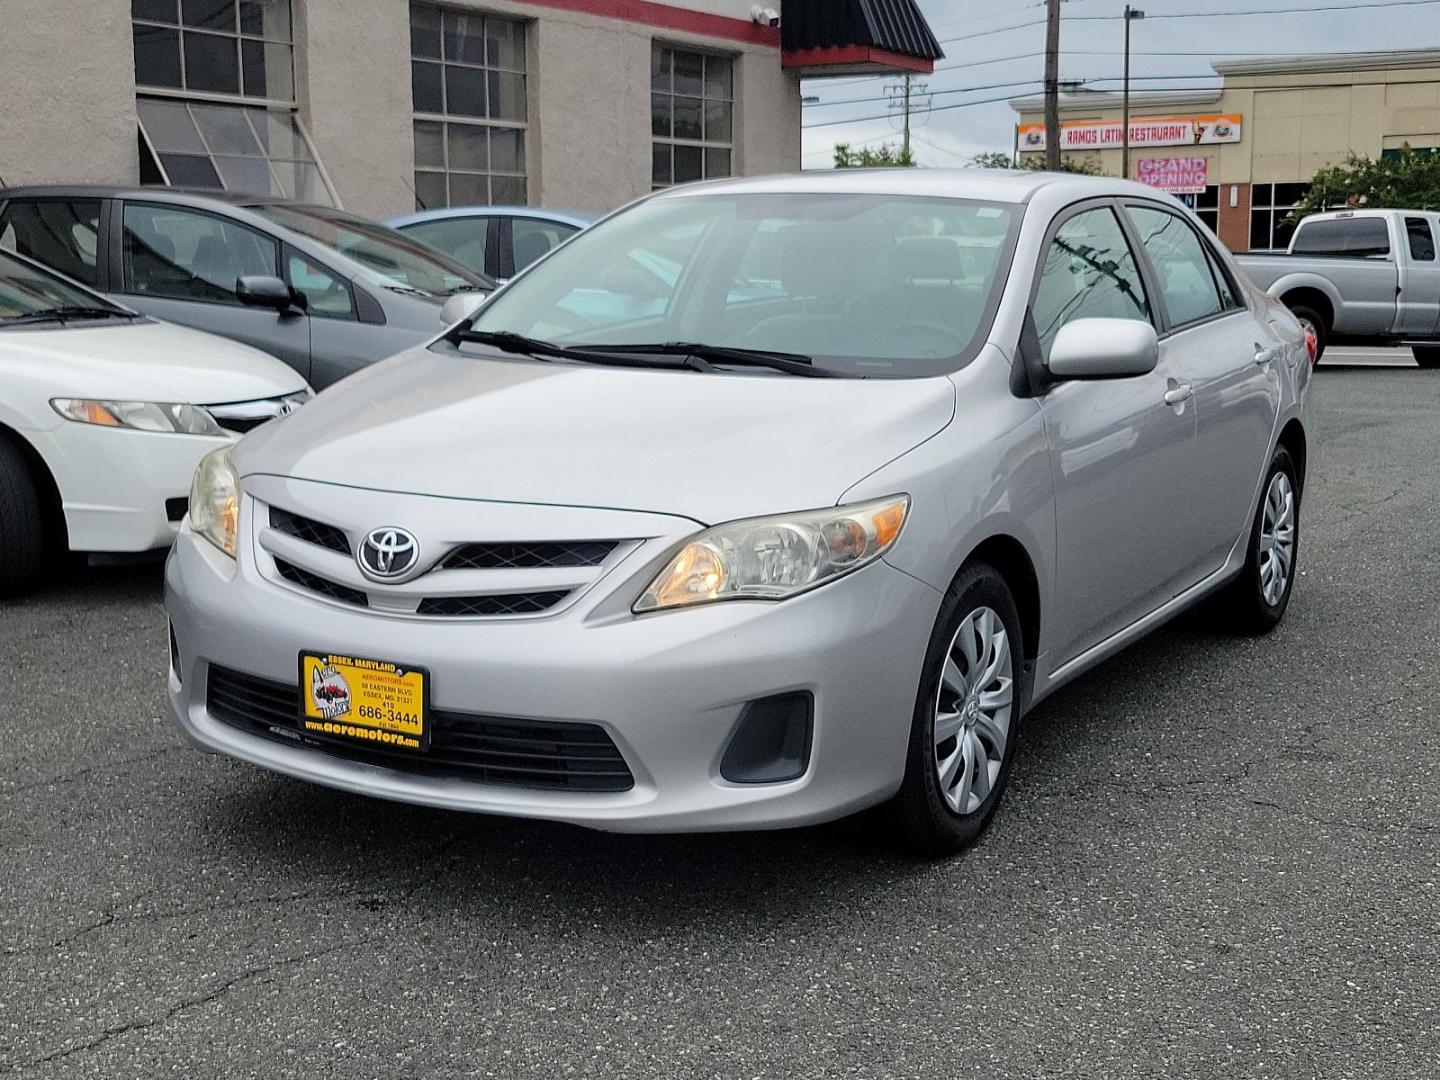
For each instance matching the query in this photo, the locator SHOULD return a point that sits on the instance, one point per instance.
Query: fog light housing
(771, 743)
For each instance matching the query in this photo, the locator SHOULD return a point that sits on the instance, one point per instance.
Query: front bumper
(667, 688)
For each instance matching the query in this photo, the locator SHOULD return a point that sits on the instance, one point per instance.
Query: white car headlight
(215, 501)
(140, 415)
(772, 558)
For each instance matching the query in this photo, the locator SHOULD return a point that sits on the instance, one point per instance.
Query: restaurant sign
(1177, 175)
(1144, 131)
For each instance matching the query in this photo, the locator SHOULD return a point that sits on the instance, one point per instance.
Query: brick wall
(1235, 220)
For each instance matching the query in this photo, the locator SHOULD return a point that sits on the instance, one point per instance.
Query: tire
(22, 532)
(932, 822)
(1427, 356)
(1307, 314)
(1248, 605)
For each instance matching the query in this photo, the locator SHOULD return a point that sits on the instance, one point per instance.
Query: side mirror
(268, 292)
(1104, 349)
(461, 306)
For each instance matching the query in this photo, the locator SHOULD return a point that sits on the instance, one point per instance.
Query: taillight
(1312, 344)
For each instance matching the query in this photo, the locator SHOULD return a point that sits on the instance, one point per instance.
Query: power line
(1264, 11)
(1018, 82)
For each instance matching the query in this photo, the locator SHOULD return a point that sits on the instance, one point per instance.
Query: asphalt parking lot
(1218, 858)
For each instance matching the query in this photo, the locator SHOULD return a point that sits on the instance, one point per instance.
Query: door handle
(1178, 394)
(1265, 355)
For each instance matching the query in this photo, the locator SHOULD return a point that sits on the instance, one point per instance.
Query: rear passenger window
(1089, 273)
(1229, 298)
(532, 238)
(186, 255)
(1355, 236)
(1186, 281)
(462, 238)
(61, 233)
(1421, 239)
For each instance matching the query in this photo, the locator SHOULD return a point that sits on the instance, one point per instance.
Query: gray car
(898, 454)
(325, 291)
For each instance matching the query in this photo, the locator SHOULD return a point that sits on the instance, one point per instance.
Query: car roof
(139, 191)
(577, 218)
(988, 185)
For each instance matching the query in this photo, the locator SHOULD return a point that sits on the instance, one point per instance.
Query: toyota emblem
(388, 553)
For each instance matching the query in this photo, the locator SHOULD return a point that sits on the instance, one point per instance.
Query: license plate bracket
(359, 701)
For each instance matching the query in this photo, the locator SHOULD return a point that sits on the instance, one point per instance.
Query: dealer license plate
(372, 702)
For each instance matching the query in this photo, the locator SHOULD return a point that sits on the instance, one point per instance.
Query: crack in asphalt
(119, 1030)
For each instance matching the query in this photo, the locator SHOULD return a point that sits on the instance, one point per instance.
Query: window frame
(444, 118)
(117, 261)
(1152, 275)
(702, 144)
(1429, 225)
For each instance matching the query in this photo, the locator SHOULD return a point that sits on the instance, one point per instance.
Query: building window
(217, 109)
(1270, 206)
(467, 76)
(692, 102)
(1206, 205)
(236, 47)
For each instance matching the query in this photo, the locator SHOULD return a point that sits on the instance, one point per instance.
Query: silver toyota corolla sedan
(758, 504)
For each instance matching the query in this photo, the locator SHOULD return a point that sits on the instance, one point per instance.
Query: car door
(1121, 453)
(181, 264)
(1230, 361)
(1418, 306)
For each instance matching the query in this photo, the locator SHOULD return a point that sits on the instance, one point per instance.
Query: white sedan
(104, 414)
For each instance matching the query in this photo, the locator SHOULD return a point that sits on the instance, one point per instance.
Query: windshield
(880, 285)
(25, 289)
(396, 260)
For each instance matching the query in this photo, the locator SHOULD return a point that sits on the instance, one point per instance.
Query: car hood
(149, 361)
(710, 447)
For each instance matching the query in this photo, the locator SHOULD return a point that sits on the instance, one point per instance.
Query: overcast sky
(994, 49)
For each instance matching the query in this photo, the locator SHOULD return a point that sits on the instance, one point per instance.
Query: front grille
(509, 604)
(309, 530)
(529, 753)
(317, 584)
(241, 425)
(529, 556)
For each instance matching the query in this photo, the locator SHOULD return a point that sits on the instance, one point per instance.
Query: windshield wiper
(789, 363)
(69, 311)
(508, 342)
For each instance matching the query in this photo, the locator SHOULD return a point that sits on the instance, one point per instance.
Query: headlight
(772, 558)
(140, 415)
(215, 501)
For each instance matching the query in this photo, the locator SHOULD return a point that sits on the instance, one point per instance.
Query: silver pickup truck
(1361, 277)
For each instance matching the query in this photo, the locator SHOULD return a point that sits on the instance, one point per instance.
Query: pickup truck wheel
(1427, 356)
(22, 533)
(1310, 320)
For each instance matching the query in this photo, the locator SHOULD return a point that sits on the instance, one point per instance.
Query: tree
(887, 157)
(997, 159)
(1403, 181)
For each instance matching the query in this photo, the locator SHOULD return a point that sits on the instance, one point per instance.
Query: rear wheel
(1310, 320)
(1255, 602)
(967, 712)
(22, 533)
(1427, 356)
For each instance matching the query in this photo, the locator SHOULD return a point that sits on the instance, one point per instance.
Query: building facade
(384, 105)
(1244, 154)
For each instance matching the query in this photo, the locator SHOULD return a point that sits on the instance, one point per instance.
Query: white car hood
(148, 361)
(710, 447)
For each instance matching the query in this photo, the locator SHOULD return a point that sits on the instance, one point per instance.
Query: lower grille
(317, 584)
(528, 753)
(309, 530)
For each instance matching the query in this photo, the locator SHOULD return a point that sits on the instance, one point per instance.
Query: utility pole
(1131, 14)
(905, 145)
(1052, 84)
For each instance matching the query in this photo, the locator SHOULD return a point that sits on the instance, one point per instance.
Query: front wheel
(966, 720)
(1310, 319)
(1427, 356)
(21, 523)
(1255, 602)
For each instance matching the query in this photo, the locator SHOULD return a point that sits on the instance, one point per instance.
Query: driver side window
(1089, 273)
